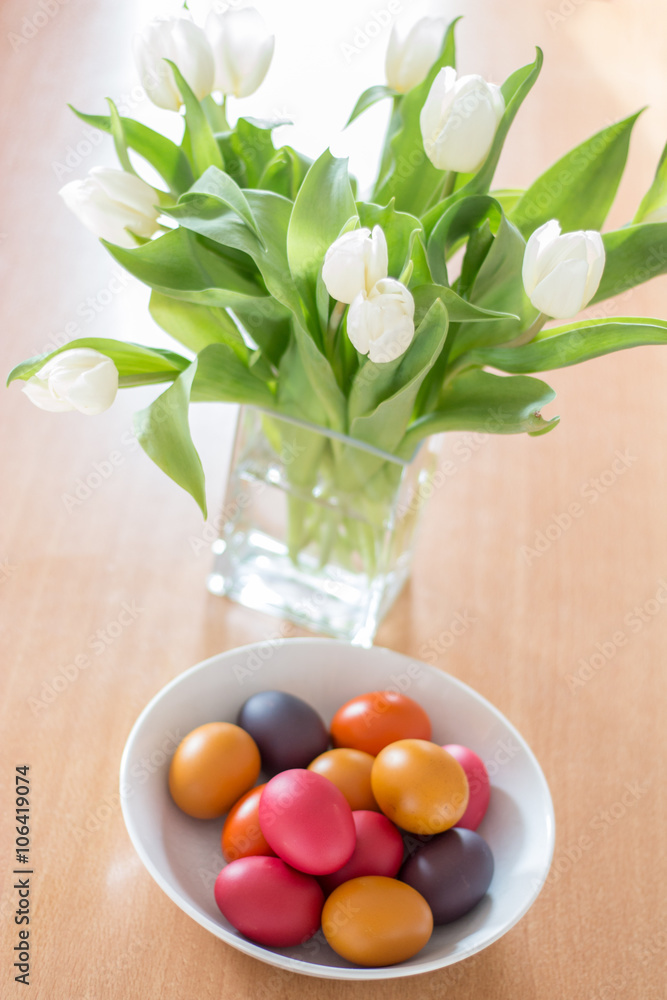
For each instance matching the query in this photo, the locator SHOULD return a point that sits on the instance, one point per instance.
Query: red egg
(378, 850)
(307, 821)
(478, 783)
(269, 902)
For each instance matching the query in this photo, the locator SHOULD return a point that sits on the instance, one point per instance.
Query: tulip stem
(526, 336)
(332, 330)
(448, 186)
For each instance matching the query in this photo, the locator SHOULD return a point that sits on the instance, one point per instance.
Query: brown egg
(419, 786)
(213, 766)
(349, 770)
(373, 921)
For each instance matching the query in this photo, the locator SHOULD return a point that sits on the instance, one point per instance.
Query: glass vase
(317, 528)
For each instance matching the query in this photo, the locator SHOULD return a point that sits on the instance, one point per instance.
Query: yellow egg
(376, 920)
(419, 786)
(213, 766)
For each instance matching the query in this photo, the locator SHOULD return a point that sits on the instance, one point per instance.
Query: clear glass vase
(316, 527)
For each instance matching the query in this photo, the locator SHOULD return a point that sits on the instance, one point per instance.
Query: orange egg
(349, 770)
(375, 920)
(212, 767)
(419, 786)
(241, 835)
(371, 721)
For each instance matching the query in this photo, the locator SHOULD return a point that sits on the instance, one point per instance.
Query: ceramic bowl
(183, 854)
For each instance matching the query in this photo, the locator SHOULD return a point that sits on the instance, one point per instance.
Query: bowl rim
(302, 966)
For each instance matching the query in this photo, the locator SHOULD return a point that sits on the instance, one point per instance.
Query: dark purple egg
(452, 872)
(288, 732)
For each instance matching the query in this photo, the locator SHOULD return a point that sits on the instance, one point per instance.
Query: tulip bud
(80, 379)
(381, 324)
(109, 202)
(410, 58)
(561, 274)
(180, 40)
(354, 263)
(242, 50)
(459, 121)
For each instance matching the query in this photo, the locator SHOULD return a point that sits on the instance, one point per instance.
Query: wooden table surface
(568, 641)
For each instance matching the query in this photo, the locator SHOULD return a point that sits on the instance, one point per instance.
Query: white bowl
(183, 855)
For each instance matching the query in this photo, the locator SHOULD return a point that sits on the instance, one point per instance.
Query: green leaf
(253, 140)
(384, 427)
(136, 365)
(163, 432)
(208, 216)
(181, 265)
(458, 309)
(456, 224)
(370, 97)
(321, 378)
(119, 138)
(323, 206)
(491, 404)
(635, 254)
(579, 189)
(479, 243)
(375, 382)
(508, 198)
(196, 326)
(201, 142)
(409, 176)
(398, 228)
(421, 272)
(221, 186)
(165, 156)
(562, 346)
(498, 287)
(285, 172)
(655, 199)
(222, 378)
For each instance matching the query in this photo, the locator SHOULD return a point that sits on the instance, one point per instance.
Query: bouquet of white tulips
(375, 319)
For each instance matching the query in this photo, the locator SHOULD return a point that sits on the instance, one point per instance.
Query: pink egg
(307, 821)
(268, 901)
(378, 850)
(478, 782)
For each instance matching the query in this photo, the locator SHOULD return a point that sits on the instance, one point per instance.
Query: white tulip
(80, 379)
(109, 202)
(561, 274)
(242, 50)
(354, 263)
(410, 58)
(180, 40)
(459, 121)
(381, 324)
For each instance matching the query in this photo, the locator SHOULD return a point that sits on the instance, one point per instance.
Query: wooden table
(569, 642)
